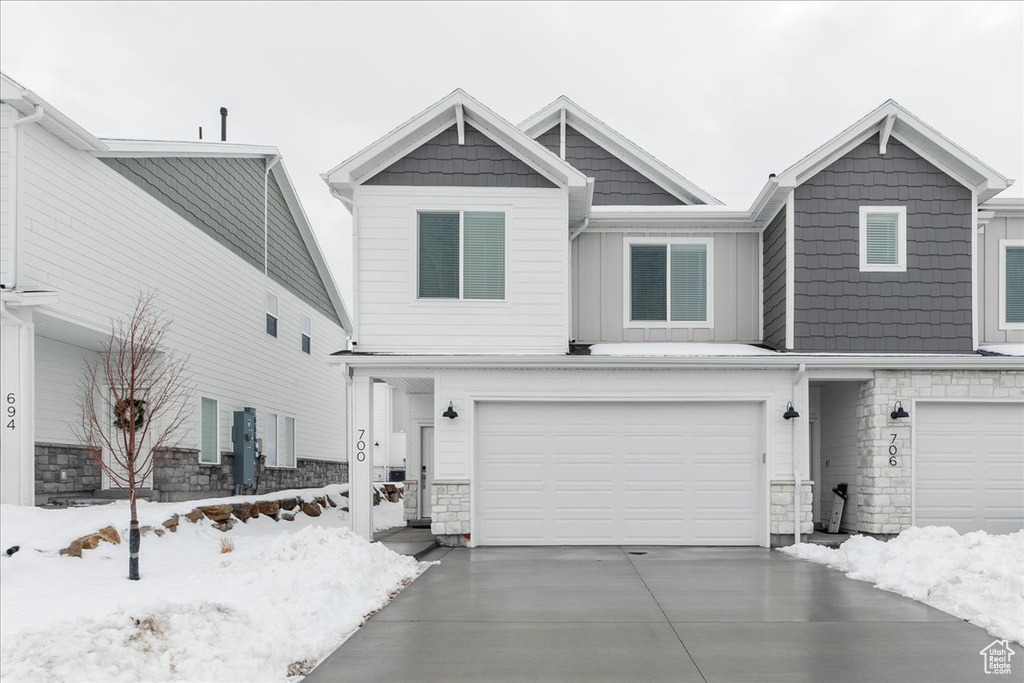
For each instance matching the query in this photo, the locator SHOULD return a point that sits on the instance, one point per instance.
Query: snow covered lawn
(978, 577)
(288, 592)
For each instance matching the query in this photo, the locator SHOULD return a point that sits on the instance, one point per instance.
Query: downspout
(271, 163)
(799, 439)
(12, 200)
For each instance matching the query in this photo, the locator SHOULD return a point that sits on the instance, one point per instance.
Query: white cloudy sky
(724, 93)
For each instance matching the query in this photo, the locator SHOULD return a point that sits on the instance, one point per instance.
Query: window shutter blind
(883, 239)
(209, 431)
(288, 443)
(270, 440)
(689, 282)
(1014, 284)
(647, 281)
(439, 256)
(483, 248)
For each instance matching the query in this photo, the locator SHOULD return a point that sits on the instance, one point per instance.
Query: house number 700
(893, 451)
(361, 446)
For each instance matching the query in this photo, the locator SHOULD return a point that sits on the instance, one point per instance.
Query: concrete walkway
(652, 614)
(407, 540)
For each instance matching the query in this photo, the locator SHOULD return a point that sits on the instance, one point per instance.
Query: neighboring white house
(584, 347)
(216, 231)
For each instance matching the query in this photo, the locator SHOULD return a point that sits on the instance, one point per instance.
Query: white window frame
(279, 419)
(295, 441)
(220, 445)
(1003, 246)
(306, 331)
(627, 278)
(277, 436)
(901, 240)
(462, 260)
(273, 303)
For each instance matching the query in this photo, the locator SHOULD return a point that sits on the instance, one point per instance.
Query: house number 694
(893, 451)
(12, 409)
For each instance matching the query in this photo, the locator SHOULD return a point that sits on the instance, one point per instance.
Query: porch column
(17, 428)
(360, 465)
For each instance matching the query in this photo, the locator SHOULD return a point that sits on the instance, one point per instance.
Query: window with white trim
(209, 431)
(307, 334)
(669, 282)
(883, 239)
(271, 315)
(461, 255)
(287, 458)
(270, 440)
(1011, 284)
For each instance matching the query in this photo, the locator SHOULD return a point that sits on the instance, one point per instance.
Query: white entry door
(969, 466)
(593, 473)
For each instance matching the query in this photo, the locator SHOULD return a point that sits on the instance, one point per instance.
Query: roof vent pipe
(223, 124)
(770, 176)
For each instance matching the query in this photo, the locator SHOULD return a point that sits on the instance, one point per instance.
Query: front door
(426, 469)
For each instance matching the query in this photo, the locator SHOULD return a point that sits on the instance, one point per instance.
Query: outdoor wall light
(897, 412)
(450, 412)
(790, 412)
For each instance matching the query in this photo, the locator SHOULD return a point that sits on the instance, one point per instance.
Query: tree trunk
(134, 540)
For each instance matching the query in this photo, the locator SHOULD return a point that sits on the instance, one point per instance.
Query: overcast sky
(724, 93)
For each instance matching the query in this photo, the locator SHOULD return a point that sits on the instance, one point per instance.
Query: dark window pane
(271, 325)
(439, 256)
(648, 268)
(305, 343)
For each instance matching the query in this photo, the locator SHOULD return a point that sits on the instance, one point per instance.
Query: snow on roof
(1004, 349)
(678, 349)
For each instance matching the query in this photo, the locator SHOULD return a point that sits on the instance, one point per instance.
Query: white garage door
(618, 473)
(969, 466)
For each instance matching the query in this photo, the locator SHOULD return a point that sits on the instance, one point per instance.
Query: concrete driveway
(652, 614)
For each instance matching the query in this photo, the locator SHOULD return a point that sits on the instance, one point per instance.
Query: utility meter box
(243, 434)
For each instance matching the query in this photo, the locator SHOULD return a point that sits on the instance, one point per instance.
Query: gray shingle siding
(925, 309)
(616, 183)
(224, 199)
(443, 162)
(774, 260)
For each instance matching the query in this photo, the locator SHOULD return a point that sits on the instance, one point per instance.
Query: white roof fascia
(779, 361)
(284, 181)
(25, 101)
(694, 216)
(1005, 207)
(437, 118)
(119, 148)
(606, 136)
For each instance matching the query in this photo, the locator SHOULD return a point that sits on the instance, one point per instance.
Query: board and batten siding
(999, 228)
(96, 239)
(454, 439)
(774, 286)
(599, 293)
(534, 316)
(839, 308)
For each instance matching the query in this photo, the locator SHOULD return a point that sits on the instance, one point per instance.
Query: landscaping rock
(172, 523)
(245, 511)
(226, 525)
(195, 515)
(269, 508)
(217, 513)
(156, 530)
(287, 516)
(320, 501)
(310, 508)
(107, 533)
(289, 503)
(331, 502)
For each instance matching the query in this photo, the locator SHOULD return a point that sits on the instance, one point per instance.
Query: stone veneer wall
(449, 503)
(884, 491)
(411, 499)
(81, 473)
(782, 511)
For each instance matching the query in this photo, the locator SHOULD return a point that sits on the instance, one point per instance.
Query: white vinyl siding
(883, 238)
(270, 439)
(209, 447)
(462, 255)
(288, 443)
(669, 282)
(271, 315)
(1011, 285)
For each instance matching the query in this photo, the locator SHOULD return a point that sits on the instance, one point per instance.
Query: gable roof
(607, 137)
(54, 121)
(459, 109)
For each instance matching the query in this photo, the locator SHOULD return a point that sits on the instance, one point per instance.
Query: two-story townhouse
(216, 232)
(584, 347)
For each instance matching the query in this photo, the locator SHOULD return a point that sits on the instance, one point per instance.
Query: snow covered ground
(978, 577)
(289, 592)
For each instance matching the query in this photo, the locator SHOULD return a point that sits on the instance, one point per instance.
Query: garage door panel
(969, 466)
(627, 473)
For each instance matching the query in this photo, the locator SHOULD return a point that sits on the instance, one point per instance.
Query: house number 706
(893, 451)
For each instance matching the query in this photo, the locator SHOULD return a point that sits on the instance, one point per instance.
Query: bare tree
(135, 402)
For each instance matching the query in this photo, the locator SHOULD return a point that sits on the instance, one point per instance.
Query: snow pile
(978, 577)
(678, 349)
(1004, 349)
(289, 592)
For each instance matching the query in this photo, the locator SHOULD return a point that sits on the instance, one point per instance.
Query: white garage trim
(915, 405)
(474, 401)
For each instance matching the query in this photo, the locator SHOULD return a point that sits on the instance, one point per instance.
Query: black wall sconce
(790, 412)
(377, 444)
(450, 412)
(897, 412)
